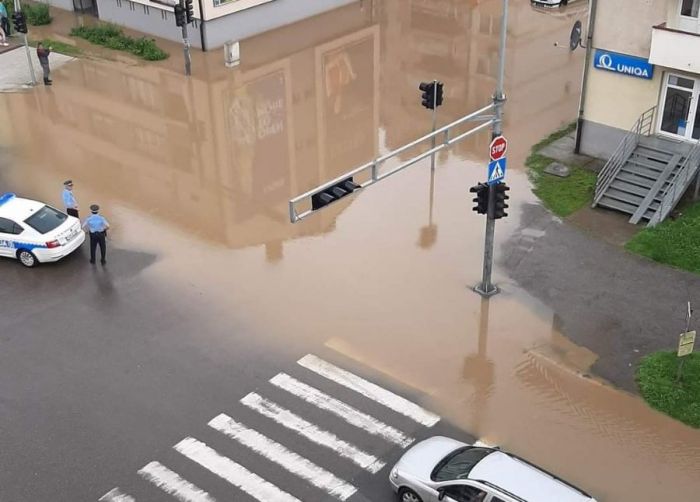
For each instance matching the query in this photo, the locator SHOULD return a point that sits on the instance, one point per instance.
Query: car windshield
(46, 219)
(459, 463)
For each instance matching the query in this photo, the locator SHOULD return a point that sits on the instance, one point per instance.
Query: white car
(33, 232)
(442, 469)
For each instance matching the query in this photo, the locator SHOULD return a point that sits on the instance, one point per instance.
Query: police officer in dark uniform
(97, 225)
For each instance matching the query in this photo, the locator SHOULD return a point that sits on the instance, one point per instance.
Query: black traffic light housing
(180, 15)
(500, 205)
(189, 10)
(20, 22)
(337, 191)
(432, 94)
(482, 198)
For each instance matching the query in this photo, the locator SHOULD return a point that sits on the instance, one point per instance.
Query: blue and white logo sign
(497, 171)
(621, 63)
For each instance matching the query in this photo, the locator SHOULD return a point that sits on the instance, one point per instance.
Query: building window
(223, 2)
(690, 8)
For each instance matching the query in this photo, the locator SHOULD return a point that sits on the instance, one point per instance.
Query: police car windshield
(46, 219)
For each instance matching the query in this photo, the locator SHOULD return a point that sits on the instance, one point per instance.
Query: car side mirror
(441, 493)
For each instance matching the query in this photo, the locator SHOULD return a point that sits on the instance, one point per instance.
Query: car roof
(518, 477)
(17, 208)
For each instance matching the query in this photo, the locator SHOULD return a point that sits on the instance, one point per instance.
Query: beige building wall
(625, 25)
(618, 100)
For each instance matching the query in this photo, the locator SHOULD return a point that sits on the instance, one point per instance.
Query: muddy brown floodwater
(199, 172)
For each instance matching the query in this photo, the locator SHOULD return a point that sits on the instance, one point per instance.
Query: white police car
(33, 232)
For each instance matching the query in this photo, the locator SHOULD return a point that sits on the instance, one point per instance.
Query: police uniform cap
(94, 208)
(68, 182)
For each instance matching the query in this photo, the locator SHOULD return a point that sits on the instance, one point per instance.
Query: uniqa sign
(621, 63)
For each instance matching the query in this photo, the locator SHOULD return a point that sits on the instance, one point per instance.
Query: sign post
(686, 343)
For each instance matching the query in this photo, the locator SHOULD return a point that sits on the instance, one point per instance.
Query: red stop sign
(498, 147)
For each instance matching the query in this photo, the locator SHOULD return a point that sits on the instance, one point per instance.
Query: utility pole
(486, 288)
(18, 11)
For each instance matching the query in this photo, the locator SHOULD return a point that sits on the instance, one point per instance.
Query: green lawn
(656, 377)
(59, 47)
(562, 196)
(675, 243)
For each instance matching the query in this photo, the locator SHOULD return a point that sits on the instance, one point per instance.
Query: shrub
(112, 37)
(37, 14)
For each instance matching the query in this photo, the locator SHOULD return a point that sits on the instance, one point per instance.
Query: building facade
(645, 55)
(216, 21)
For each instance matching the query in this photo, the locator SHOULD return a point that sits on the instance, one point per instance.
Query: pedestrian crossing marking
(369, 390)
(340, 409)
(314, 434)
(171, 483)
(289, 460)
(234, 473)
(262, 490)
(115, 495)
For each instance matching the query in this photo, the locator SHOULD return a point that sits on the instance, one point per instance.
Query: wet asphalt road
(99, 376)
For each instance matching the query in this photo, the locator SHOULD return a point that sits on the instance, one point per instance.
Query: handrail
(677, 185)
(642, 127)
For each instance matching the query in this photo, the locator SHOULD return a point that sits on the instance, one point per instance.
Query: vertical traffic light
(337, 191)
(20, 22)
(180, 16)
(189, 10)
(501, 197)
(428, 96)
(482, 198)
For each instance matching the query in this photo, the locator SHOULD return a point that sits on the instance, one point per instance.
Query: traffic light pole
(435, 93)
(18, 8)
(186, 46)
(486, 288)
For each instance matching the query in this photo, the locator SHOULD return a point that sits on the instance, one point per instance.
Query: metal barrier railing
(677, 185)
(642, 127)
(373, 167)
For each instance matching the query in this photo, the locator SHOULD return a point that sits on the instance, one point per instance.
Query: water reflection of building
(457, 42)
(221, 156)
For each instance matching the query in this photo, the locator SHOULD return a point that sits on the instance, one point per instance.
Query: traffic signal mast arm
(371, 169)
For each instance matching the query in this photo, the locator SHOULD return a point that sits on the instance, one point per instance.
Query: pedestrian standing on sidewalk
(97, 225)
(43, 54)
(4, 23)
(69, 199)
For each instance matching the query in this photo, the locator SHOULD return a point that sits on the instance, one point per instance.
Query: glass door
(680, 111)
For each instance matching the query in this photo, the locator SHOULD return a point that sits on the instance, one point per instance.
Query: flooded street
(196, 174)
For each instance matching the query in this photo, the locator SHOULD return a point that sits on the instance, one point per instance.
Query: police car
(33, 232)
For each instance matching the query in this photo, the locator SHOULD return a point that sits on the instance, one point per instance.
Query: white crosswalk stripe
(308, 473)
(275, 452)
(369, 390)
(234, 473)
(311, 432)
(115, 495)
(339, 408)
(171, 482)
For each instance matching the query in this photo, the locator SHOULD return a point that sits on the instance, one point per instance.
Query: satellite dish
(575, 39)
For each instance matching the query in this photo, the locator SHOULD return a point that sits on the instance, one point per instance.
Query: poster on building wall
(258, 132)
(347, 97)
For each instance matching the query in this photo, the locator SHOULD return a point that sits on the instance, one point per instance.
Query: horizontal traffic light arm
(371, 169)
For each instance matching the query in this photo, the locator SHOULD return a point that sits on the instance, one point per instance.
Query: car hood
(422, 458)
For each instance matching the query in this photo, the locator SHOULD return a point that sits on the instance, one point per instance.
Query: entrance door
(85, 6)
(680, 111)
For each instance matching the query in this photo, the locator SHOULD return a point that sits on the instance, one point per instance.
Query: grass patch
(656, 377)
(673, 242)
(111, 36)
(37, 14)
(59, 47)
(562, 196)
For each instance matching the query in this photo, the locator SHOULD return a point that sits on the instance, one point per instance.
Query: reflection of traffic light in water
(480, 370)
(428, 234)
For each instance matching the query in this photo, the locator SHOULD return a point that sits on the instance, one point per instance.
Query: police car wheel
(27, 258)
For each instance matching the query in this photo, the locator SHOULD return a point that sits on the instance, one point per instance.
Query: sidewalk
(15, 75)
(615, 303)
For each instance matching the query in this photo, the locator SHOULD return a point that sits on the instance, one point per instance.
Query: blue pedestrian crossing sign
(497, 171)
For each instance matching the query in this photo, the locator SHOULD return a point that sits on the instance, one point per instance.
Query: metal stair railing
(677, 185)
(642, 127)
